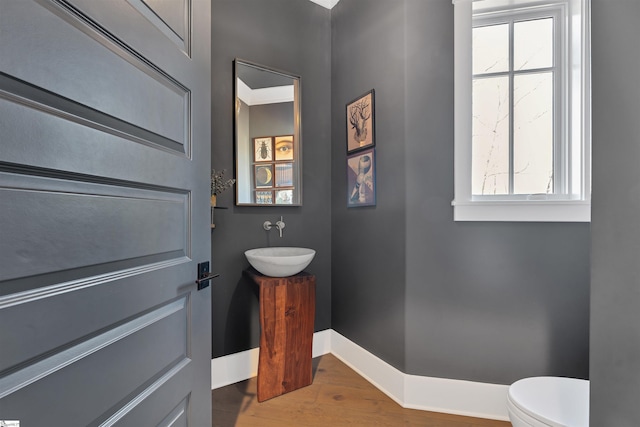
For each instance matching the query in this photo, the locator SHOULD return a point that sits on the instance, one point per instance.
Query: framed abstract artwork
(361, 179)
(264, 197)
(284, 174)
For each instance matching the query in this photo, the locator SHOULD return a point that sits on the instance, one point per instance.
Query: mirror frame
(297, 132)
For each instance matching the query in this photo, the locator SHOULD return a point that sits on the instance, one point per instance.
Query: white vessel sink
(281, 261)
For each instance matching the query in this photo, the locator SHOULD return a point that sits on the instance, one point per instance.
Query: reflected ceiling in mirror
(267, 136)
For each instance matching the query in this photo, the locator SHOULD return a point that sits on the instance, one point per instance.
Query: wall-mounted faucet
(279, 225)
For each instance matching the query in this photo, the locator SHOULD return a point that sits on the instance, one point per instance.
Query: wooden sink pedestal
(287, 313)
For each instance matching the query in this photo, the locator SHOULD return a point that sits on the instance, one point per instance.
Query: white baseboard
(375, 370)
(469, 398)
(234, 368)
(321, 343)
(240, 366)
(458, 397)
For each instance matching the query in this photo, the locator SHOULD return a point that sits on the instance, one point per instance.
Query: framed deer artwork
(361, 122)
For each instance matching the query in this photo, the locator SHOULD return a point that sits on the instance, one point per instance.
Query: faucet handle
(280, 225)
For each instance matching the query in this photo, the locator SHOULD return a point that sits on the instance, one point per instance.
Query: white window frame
(572, 200)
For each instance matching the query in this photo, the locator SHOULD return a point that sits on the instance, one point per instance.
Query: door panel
(87, 223)
(95, 366)
(63, 139)
(166, 23)
(122, 84)
(46, 319)
(173, 15)
(104, 171)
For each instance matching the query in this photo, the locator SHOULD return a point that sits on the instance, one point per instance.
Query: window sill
(522, 211)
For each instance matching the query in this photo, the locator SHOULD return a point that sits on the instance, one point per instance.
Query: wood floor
(337, 397)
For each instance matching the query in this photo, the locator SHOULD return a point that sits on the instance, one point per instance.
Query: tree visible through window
(522, 110)
(516, 100)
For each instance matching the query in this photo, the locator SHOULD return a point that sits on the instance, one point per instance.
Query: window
(522, 135)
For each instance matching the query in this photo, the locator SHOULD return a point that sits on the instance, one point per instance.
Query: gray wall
(271, 119)
(368, 243)
(615, 296)
(491, 302)
(294, 36)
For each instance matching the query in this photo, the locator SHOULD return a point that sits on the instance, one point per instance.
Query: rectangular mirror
(267, 130)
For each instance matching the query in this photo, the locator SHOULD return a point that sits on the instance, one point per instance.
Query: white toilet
(549, 402)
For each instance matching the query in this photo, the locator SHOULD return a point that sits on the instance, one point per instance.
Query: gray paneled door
(104, 171)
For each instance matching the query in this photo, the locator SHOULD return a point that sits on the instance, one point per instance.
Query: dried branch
(218, 183)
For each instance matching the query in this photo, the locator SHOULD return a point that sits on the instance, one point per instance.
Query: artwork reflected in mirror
(263, 149)
(268, 145)
(284, 147)
(264, 197)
